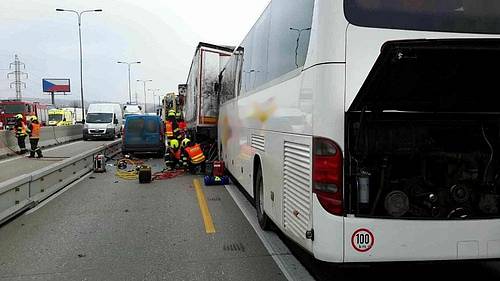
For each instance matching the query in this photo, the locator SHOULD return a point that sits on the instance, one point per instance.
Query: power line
(18, 75)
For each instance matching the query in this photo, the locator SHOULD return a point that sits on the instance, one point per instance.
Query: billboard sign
(56, 85)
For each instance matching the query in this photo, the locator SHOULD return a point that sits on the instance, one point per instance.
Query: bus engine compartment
(422, 136)
(414, 166)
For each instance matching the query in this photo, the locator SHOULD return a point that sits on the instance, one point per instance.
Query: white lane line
(44, 150)
(54, 196)
(292, 269)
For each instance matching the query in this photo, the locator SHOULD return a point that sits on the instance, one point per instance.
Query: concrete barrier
(26, 191)
(48, 136)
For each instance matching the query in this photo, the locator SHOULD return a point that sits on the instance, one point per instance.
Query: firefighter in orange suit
(34, 133)
(181, 122)
(171, 126)
(192, 156)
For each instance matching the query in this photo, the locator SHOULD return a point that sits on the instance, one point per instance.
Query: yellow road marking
(205, 213)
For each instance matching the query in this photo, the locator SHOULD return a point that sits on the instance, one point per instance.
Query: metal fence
(26, 191)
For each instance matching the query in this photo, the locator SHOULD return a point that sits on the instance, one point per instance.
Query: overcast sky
(162, 34)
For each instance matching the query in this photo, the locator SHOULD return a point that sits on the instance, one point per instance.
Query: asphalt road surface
(106, 228)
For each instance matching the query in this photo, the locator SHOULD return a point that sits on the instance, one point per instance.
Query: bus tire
(264, 221)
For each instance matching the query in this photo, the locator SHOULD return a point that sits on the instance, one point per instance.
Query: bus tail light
(327, 175)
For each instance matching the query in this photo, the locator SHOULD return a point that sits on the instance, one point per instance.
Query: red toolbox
(218, 168)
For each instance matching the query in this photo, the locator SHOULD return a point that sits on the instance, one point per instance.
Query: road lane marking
(205, 213)
(44, 150)
(288, 264)
(54, 196)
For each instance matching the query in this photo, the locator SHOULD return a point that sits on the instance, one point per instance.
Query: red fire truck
(10, 108)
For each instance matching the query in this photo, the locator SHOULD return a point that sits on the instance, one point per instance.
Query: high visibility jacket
(169, 130)
(195, 154)
(21, 130)
(35, 131)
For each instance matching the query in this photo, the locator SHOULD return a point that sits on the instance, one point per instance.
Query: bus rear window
(465, 16)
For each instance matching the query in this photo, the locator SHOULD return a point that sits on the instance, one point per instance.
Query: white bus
(369, 130)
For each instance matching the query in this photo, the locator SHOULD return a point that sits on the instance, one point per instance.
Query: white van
(103, 120)
(132, 109)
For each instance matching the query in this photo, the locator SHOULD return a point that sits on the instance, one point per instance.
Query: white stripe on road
(292, 269)
(54, 196)
(45, 150)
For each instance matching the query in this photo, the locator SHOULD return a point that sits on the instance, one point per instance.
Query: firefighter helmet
(171, 113)
(19, 116)
(34, 118)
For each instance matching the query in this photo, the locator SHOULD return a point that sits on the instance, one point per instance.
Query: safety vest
(169, 130)
(21, 130)
(195, 154)
(35, 131)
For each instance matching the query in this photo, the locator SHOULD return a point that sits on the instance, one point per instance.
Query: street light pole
(145, 94)
(128, 64)
(298, 39)
(79, 14)
(154, 95)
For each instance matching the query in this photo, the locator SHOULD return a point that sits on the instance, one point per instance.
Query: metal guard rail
(26, 191)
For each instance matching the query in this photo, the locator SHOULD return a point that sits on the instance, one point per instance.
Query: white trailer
(201, 102)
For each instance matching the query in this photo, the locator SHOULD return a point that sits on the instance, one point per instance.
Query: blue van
(143, 134)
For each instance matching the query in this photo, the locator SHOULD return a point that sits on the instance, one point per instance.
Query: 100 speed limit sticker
(362, 240)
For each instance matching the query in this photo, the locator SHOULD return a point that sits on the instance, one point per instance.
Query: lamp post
(128, 64)
(156, 95)
(79, 14)
(145, 94)
(298, 39)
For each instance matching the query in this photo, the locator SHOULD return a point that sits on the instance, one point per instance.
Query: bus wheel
(263, 219)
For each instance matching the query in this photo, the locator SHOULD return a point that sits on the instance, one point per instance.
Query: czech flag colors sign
(56, 85)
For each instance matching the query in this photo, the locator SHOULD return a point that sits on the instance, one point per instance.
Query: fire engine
(10, 108)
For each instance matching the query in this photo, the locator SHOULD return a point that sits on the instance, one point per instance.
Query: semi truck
(201, 105)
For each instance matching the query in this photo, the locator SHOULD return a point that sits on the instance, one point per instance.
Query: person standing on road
(181, 122)
(21, 133)
(34, 133)
(171, 126)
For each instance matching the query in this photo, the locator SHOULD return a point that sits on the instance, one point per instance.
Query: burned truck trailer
(201, 107)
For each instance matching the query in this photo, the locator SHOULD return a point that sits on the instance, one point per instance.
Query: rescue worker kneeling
(173, 155)
(34, 134)
(192, 156)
